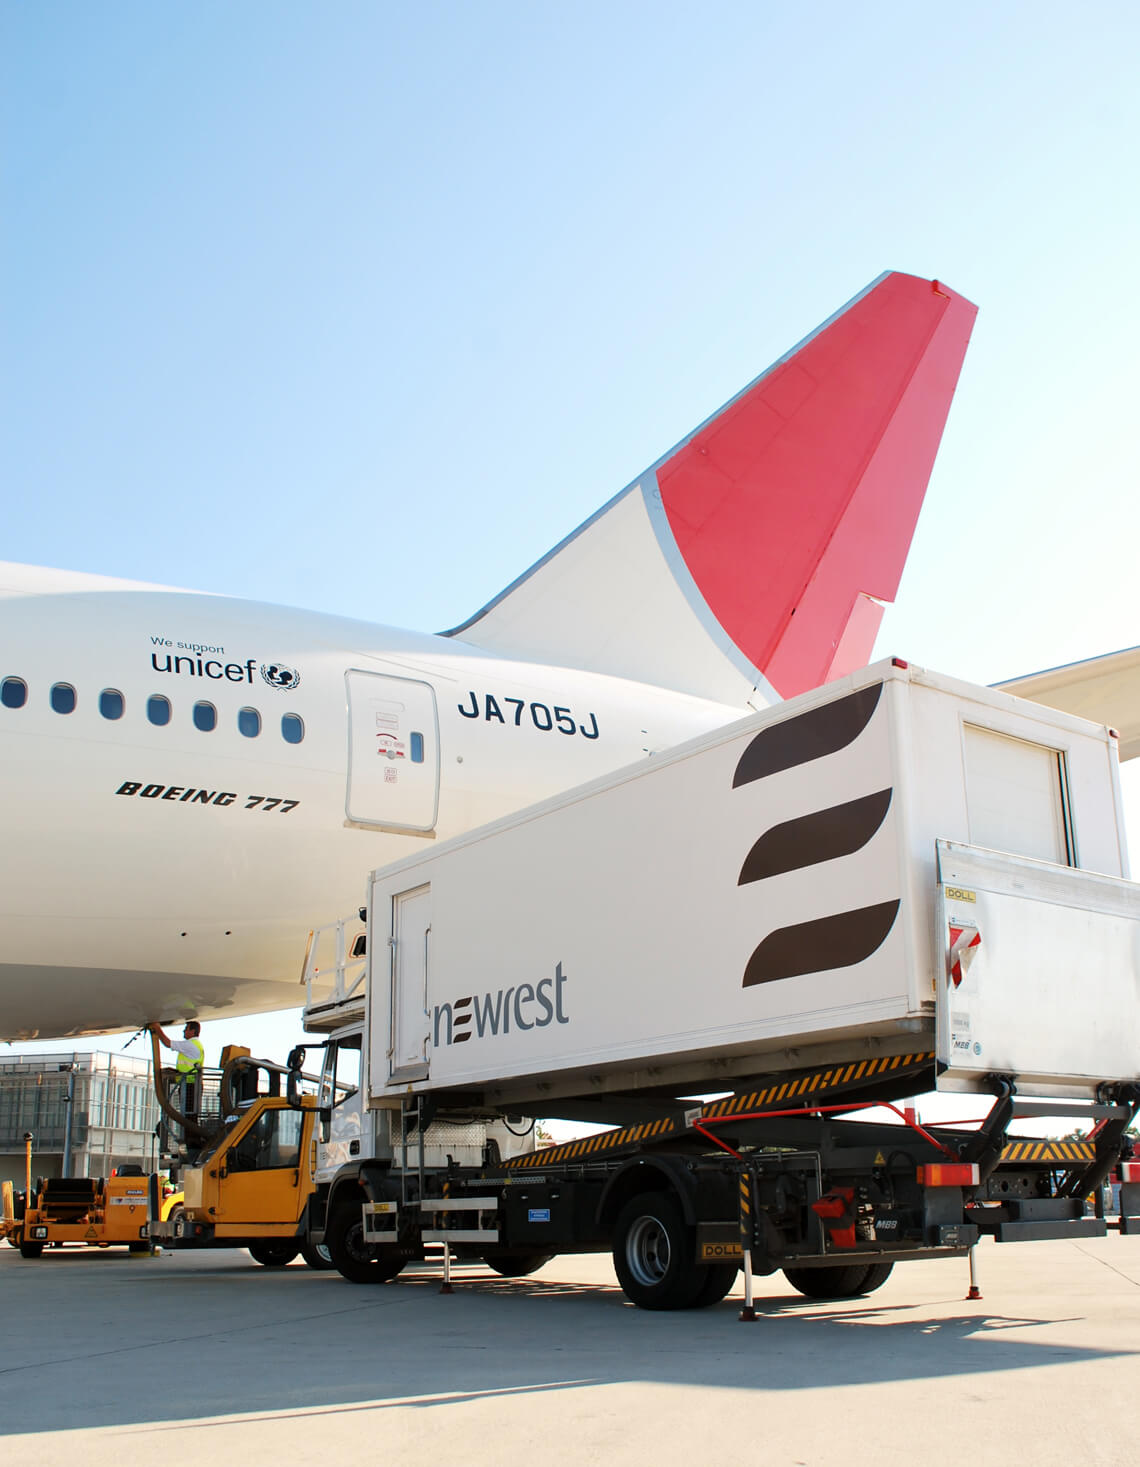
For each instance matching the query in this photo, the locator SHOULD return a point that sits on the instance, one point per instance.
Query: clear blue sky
(362, 306)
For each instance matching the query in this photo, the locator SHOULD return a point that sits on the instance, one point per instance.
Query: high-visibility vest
(189, 1068)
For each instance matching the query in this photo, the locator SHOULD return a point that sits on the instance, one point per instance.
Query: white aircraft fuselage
(155, 869)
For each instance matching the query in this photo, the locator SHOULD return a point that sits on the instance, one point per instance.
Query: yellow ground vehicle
(251, 1189)
(85, 1210)
(247, 1172)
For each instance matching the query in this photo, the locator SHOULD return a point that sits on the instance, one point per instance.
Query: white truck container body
(815, 880)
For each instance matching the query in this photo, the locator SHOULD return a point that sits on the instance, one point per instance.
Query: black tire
(139, 1247)
(317, 1256)
(354, 1259)
(844, 1282)
(28, 1249)
(653, 1254)
(518, 1265)
(274, 1252)
(719, 1278)
(877, 1275)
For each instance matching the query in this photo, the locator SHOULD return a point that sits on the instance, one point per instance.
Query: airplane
(192, 782)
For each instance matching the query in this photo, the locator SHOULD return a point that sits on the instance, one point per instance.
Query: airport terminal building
(108, 1122)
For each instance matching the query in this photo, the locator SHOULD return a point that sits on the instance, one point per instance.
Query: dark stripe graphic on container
(812, 735)
(816, 946)
(823, 835)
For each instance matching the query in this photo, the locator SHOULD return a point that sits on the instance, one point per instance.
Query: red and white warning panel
(1041, 973)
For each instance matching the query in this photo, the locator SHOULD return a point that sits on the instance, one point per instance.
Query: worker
(188, 1067)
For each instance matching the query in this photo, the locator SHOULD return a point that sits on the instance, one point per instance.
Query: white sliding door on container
(411, 954)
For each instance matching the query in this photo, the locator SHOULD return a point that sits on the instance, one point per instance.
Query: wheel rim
(648, 1252)
(355, 1247)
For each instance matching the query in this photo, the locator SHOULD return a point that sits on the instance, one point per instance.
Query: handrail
(347, 972)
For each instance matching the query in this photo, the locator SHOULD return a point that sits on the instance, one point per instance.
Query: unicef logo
(277, 675)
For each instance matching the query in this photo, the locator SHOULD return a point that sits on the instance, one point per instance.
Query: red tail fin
(820, 470)
(754, 555)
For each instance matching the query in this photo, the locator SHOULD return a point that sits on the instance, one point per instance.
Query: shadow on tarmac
(148, 1343)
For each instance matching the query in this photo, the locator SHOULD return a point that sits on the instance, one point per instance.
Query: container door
(1016, 794)
(411, 955)
(393, 752)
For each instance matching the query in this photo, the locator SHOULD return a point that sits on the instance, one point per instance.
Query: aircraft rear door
(393, 752)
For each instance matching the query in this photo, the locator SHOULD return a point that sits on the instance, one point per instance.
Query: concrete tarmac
(105, 1359)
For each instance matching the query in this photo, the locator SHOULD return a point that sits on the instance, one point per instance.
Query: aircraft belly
(59, 1003)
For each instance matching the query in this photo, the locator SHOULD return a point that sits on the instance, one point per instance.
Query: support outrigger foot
(445, 1287)
(973, 1292)
(748, 1313)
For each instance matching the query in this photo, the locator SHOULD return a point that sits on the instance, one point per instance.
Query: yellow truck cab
(252, 1190)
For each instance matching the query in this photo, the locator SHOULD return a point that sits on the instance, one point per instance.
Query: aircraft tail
(752, 560)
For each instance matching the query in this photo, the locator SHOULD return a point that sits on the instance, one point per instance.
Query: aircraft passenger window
(416, 741)
(292, 729)
(111, 703)
(63, 698)
(13, 692)
(249, 722)
(205, 717)
(158, 709)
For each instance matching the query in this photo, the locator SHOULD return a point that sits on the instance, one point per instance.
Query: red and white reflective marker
(964, 944)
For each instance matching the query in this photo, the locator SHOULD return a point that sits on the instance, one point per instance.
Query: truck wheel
(518, 1265)
(838, 1283)
(28, 1249)
(877, 1275)
(653, 1254)
(719, 1278)
(354, 1259)
(317, 1255)
(274, 1252)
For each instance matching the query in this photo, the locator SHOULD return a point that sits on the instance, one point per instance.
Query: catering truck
(727, 954)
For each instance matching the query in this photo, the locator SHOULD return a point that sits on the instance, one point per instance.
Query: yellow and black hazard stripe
(604, 1141)
(820, 1087)
(745, 1209)
(1049, 1151)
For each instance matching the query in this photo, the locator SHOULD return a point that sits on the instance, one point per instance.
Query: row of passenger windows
(112, 705)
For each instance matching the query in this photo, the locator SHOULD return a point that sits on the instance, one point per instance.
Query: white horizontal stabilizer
(1105, 689)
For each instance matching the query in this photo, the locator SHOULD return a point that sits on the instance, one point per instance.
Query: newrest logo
(479, 1015)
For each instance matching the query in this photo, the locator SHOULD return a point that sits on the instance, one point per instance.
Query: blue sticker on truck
(538, 1214)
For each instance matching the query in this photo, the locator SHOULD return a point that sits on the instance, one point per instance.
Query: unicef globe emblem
(277, 675)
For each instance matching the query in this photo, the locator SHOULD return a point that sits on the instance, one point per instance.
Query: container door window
(1017, 797)
(393, 752)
